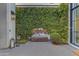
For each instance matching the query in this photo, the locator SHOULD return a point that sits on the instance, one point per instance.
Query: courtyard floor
(39, 49)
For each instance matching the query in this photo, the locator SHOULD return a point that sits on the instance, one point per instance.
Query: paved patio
(38, 49)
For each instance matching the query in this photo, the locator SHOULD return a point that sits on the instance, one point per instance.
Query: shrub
(56, 38)
(21, 41)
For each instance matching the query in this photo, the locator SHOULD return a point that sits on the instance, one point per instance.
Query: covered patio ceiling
(37, 4)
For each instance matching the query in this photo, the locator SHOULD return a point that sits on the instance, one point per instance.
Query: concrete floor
(38, 49)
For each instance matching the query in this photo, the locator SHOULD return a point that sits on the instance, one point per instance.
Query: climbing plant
(54, 19)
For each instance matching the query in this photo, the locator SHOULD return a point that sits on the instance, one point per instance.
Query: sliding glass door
(77, 24)
(74, 24)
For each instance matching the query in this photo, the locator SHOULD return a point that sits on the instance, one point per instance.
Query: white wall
(3, 26)
(7, 26)
(10, 23)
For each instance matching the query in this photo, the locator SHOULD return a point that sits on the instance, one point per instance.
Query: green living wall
(54, 19)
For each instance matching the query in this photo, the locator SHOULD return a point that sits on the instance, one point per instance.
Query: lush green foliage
(55, 20)
(22, 41)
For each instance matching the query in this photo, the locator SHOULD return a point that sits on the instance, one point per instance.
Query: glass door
(77, 25)
(74, 24)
